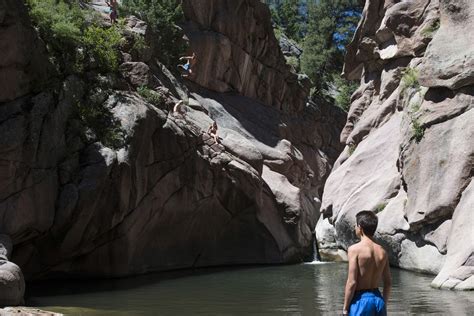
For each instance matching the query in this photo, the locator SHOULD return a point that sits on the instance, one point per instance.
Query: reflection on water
(307, 289)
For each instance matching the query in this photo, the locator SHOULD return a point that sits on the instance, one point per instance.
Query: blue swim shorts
(368, 303)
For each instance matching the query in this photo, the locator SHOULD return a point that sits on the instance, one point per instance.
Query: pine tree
(331, 24)
(162, 16)
(290, 18)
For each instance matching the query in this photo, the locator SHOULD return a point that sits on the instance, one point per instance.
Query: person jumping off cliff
(113, 10)
(188, 66)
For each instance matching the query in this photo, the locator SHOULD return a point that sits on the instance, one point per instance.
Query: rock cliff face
(166, 196)
(238, 52)
(409, 139)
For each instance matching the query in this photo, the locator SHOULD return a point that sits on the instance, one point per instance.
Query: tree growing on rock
(331, 24)
(163, 16)
(288, 16)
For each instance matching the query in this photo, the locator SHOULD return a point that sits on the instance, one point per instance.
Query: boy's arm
(351, 283)
(387, 281)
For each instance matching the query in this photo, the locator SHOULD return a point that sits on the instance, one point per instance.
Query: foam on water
(317, 262)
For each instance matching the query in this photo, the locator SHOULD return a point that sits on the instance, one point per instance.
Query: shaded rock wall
(23, 66)
(167, 196)
(409, 139)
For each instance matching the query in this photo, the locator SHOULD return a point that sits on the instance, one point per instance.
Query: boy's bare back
(368, 265)
(371, 264)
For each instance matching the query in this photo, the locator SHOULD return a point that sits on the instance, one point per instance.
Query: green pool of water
(306, 289)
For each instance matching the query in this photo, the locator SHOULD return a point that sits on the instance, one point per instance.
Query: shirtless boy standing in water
(368, 265)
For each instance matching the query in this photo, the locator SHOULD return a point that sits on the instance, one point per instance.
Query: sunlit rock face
(409, 138)
(146, 189)
(449, 59)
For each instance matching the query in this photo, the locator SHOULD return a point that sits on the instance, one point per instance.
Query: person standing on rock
(113, 5)
(368, 265)
(188, 66)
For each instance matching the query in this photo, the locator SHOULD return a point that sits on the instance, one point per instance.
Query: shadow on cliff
(239, 113)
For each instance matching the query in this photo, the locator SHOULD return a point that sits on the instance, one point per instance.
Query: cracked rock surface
(409, 152)
(148, 189)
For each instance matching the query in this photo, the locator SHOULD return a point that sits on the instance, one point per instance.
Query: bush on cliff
(410, 79)
(151, 96)
(73, 37)
(163, 16)
(103, 45)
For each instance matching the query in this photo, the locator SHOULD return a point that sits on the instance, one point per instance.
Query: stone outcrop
(141, 188)
(12, 284)
(409, 152)
(449, 62)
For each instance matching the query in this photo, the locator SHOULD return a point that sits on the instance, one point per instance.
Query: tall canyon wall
(410, 139)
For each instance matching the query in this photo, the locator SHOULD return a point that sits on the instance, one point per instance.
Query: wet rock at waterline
(25, 311)
(409, 152)
(12, 284)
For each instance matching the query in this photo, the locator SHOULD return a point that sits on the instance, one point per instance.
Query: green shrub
(150, 96)
(294, 62)
(162, 16)
(416, 107)
(60, 25)
(410, 79)
(139, 43)
(71, 35)
(431, 29)
(345, 89)
(278, 33)
(380, 207)
(352, 148)
(103, 45)
(418, 130)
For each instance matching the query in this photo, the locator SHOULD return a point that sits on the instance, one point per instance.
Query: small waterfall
(316, 256)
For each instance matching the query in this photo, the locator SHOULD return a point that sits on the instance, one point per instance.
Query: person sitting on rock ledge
(188, 66)
(179, 108)
(212, 131)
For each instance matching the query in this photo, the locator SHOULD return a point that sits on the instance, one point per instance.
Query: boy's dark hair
(367, 220)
